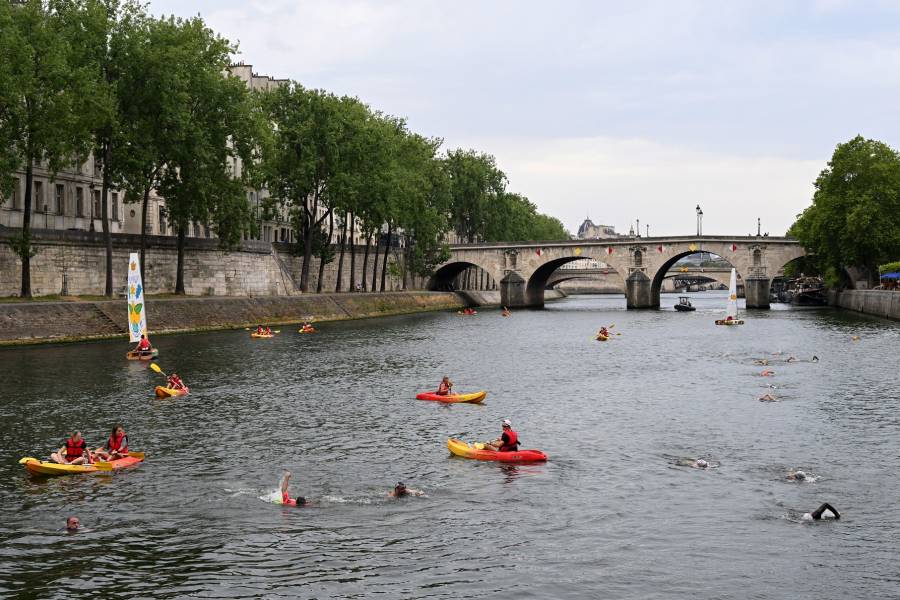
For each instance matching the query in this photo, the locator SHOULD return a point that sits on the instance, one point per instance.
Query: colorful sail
(137, 310)
(731, 311)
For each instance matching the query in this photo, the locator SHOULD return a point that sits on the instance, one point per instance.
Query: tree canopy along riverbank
(854, 220)
(153, 101)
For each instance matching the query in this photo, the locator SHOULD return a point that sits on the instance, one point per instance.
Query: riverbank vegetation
(854, 220)
(147, 98)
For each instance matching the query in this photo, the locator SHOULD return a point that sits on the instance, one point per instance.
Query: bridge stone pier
(524, 268)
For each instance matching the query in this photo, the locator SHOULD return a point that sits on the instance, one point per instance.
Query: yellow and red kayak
(473, 397)
(465, 450)
(135, 355)
(602, 338)
(44, 467)
(306, 331)
(262, 335)
(166, 392)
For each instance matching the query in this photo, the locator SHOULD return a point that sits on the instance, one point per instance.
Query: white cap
(506, 423)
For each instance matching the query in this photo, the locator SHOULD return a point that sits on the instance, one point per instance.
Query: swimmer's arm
(285, 481)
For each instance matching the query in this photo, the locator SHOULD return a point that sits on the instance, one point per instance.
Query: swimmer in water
(826, 511)
(700, 464)
(791, 359)
(796, 476)
(401, 490)
(285, 493)
(72, 524)
(762, 362)
(767, 398)
(815, 358)
(767, 372)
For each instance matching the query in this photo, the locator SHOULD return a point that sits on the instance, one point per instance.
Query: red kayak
(473, 397)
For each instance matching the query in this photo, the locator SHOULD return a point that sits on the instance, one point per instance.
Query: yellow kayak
(262, 335)
(167, 392)
(45, 467)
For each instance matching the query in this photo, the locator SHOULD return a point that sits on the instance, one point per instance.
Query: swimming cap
(506, 423)
(799, 475)
(702, 463)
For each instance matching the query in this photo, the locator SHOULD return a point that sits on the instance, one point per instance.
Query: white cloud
(617, 181)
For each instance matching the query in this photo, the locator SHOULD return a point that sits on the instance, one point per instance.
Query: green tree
(475, 183)
(854, 219)
(214, 138)
(98, 30)
(43, 119)
(303, 158)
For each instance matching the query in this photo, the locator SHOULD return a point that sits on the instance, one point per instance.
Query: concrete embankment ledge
(881, 303)
(49, 322)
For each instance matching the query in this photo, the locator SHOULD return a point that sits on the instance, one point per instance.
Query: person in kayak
(143, 346)
(72, 524)
(826, 511)
(308, 328)
(174, 382)
(285, 493)
(604, 332)
(268, 330)
(260, 330)
(74, 452)
(116, 445)
(401, 490)
(508, 440)
(505, 312)
(445, 387)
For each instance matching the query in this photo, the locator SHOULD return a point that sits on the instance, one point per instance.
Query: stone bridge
(683, 277)
(522, 269)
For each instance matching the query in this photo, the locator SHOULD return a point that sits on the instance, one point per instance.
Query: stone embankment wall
(71, 263)
(35, 322)
(881, 303)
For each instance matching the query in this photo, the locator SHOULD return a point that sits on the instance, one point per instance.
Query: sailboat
(137, 310)
(731, 316)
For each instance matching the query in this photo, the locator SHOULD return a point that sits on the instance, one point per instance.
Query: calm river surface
(612, 515)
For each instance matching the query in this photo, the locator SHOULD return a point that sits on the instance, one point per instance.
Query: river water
(613, 514)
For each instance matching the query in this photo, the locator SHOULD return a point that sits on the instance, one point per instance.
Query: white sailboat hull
(731, 311)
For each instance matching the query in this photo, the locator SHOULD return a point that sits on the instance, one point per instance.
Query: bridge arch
(537, 283)
(445, 278)
(663, 272)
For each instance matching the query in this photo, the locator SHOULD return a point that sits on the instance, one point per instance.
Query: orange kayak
(165, 392)
(473, 397)
(465, 450)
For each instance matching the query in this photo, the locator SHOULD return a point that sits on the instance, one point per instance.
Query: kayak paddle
(139, 455)
(156, 368)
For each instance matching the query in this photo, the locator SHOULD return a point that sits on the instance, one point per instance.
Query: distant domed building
(589, 231)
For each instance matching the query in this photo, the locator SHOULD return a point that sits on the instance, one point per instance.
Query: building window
(115, 206)
(39, 197)
(757, 258)
(162, 221)
(79, 202)
(15, 194)
(638, 258)
(60, 199)
(96, 209)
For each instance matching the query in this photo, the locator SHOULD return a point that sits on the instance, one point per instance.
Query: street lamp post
(648, 230)
(758, 227)
(638, 227)
(699, 221)
(93, 188)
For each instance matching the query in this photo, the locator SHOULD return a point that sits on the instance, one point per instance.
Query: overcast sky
(613, 110)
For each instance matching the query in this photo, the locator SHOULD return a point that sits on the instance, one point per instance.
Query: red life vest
(119, 443)
(74, 449)
(144, 344)
(513, 444)
(443, 389)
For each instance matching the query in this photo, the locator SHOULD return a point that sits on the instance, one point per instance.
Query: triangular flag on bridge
(660, 248)
(734, 247)
(538, 251)
(609, 250)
